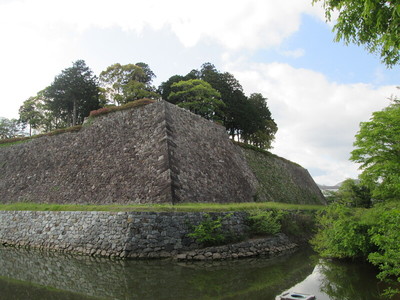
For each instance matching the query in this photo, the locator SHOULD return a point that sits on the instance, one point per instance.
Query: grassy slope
(279, 179)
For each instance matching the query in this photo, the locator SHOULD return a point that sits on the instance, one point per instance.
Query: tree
(374, 24)
(378, 152)
(125, 83)
(353, 194)
(29, 113)
(9, 128)
(73, 94)
(197, 96)
(245, 119)
(259, 128)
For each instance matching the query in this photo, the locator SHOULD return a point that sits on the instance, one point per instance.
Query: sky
(318, 91)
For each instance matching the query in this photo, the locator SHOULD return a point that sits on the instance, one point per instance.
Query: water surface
(44, 275)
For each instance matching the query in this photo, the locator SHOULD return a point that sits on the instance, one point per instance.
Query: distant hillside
(333, 187)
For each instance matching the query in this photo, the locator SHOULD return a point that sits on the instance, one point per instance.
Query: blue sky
(318, 91)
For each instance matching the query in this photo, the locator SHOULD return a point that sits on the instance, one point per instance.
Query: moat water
(31, 275)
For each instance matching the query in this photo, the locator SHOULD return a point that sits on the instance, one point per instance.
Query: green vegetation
(377, 149)
(187, 207)
(209, 231)
(276, 180)
(76, 91)
(9, 128)
(93, 114)
(125, 83)
(199, 97)
(374, 24)
(265, 222)
(351, 193)
(370, 234)
(373, 234)
(247, 119)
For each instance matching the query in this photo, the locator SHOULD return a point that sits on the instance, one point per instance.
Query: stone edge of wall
(138, 235)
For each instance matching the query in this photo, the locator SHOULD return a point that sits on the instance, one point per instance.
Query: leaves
(125, 83)
(73, 94)
(197, 96)
(378, 152)
(374, 24)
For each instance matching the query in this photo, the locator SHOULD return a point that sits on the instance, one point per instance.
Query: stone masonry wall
(158, 153)
(119, 158)
(129, 234)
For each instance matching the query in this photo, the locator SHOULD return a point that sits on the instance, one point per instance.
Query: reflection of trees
(152, 279)
(251, 278)
(348, 281)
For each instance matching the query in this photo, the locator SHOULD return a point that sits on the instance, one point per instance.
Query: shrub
(342, 233)
(209, 231)
(372, 234)
(265, 222)
(386, 236)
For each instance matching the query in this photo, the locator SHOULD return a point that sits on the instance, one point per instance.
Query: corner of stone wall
(170, 151)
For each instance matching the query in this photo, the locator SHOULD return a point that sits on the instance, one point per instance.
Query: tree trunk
(74, 113)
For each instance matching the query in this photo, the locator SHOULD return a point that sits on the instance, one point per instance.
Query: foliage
(352, 193)
(299, 225)
(374, 24)
(386, 236)
(9, 128)
(371, 234)
(265, 222)
(259, 129)
(95, 113)
(197, 96)
(125, 83)
(342, 233)
(378, 152)
(247, 119)
(29, 113)
(209, 231)
(73, 94)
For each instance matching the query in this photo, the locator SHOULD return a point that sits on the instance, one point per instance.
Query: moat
(47, 275)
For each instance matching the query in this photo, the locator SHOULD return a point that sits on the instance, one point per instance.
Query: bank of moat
(131, 234)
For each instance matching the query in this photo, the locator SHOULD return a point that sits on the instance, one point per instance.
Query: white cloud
(317, 119)
(40, 38)
(294, 53)
(233, 24)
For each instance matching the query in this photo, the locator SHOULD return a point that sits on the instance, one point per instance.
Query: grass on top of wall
(186, 207)
(93, 114)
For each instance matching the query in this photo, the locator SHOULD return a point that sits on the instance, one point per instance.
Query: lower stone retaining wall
(130, 234)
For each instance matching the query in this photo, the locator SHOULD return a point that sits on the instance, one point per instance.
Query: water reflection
(335, 280)
(34, 275)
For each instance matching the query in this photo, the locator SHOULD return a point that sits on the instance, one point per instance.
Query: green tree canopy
(377, 149)
(73, 94)
(247, 119)
(374, 24)
(125, 83)
(353, 194)
(30, 114)
(197, 96)
(9, 128)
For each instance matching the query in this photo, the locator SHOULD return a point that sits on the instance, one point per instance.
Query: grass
(187, 207)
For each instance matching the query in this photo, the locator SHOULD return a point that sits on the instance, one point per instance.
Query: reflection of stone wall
(149, 279)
